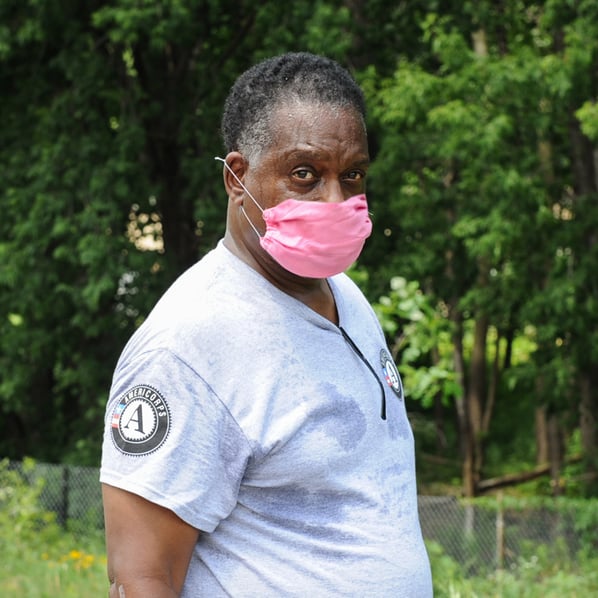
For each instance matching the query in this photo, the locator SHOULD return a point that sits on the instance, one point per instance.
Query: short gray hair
(295, 76)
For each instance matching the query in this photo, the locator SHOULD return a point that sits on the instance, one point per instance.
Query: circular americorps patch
(391, 374)
(140, 421)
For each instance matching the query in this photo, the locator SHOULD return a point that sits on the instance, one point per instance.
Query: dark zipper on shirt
(368, 365)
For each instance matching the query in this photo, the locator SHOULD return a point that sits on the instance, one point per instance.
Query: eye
(304, 174)
(355, 175)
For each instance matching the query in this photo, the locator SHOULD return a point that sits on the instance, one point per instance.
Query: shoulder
(208, 309)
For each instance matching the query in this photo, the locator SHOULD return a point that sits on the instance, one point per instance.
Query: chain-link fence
(479, 535)
(489, 535)
(73, 493)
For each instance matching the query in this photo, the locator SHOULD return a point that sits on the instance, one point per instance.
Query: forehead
(317, 128)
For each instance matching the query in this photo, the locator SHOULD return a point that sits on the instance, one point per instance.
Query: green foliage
(533, 578)
(110, 125)
(586, 524)
(422, 336)
(66, 199)
(537, 575)
(482, 187)
(447, 574)
(20, 511)
(588, 118)
(483, 127)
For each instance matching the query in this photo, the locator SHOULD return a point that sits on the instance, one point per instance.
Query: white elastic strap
(240, 182)
(246, 191)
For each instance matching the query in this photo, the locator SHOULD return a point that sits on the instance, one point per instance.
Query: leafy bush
(20, 513)
(39, 558)
(535, 575)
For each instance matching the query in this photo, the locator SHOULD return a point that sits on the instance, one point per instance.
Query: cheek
(255, 215)
(271, 194)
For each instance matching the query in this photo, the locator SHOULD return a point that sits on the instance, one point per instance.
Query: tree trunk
(541, 429)
(477, 391)
(588, 424)
(585, 169)
(465, 436)
(439, 414)
(164, 78)
(492, 387)
(555, 453)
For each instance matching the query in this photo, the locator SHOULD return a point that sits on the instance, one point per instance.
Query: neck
(315, 293)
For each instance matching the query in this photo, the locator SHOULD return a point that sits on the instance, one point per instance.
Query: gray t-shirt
(257, 421)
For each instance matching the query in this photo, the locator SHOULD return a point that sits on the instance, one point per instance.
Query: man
(256, 437)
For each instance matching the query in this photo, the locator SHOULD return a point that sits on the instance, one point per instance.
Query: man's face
(319, 153)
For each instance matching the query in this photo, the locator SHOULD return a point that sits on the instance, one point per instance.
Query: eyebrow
(317, 155)
(364, 162)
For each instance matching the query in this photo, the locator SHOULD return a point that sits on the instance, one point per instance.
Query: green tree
(483, 129)
(109, 187)
(478, 170)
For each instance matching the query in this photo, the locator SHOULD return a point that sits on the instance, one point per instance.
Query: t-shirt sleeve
(169, 439)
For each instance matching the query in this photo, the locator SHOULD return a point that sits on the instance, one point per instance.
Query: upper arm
(148, 546)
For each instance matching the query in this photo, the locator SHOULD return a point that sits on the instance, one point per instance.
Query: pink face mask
(313, 239)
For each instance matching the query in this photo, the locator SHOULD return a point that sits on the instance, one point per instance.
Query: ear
(238, 165)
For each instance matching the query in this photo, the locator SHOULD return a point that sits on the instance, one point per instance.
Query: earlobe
(237, 163)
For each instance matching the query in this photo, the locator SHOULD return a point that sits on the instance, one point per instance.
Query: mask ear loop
(246, 191)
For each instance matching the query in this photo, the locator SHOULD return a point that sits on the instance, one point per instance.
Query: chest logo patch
(391, 374)
(140, 421)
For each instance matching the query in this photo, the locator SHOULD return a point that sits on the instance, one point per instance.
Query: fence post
(63, 511)
(500, 533)
(469, 532)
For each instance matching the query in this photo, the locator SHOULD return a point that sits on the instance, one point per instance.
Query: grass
(538, 575)
(59, 565)
(62, 566)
